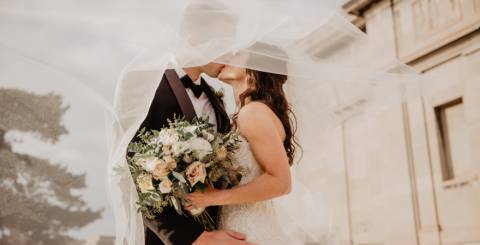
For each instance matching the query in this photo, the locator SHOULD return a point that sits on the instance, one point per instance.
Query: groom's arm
(174, 229)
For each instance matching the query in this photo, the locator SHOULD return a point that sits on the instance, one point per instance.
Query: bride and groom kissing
(244, 214)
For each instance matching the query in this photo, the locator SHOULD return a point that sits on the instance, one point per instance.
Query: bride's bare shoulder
(253, 109)
(255, 117)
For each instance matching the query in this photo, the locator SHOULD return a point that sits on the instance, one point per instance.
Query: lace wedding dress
(257, 220)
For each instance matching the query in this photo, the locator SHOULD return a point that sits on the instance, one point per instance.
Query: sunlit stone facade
(412, 175)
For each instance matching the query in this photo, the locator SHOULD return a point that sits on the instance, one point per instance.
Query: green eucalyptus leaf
(179, 177)
(176, 205)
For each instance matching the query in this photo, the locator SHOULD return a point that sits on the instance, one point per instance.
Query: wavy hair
(267, 88)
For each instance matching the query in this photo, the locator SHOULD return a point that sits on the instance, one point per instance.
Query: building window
(454, 147)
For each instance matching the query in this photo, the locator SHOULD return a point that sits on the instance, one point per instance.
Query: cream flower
(141, 162)
(196, 172)
(179, 148)
(150, 163)
(166, 150)
(221, 153)
(161, 170)
(191, 129)
(165, 186)
(171, 163)
(200, 147)
(145, 183)
(167, 137)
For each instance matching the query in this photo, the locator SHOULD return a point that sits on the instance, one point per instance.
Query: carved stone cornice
(356, 7)
(422, 27)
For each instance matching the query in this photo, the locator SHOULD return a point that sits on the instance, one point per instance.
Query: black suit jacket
(172, 99)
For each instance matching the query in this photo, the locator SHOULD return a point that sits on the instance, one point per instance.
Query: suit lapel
(181, 95)
(223, 121)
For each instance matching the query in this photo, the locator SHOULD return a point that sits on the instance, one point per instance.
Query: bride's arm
(257, 124)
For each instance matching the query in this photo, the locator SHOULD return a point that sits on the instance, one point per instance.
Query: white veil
(335, 71)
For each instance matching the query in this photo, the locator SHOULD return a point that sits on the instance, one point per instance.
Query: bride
(265, 123)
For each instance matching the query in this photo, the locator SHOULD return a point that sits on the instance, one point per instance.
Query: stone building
(412, 176)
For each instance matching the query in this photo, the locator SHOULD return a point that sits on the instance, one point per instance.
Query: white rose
(196, 172)
(145, 183)
(191, 129)
(171, 163)
(149, 164)
(165, 186)
(167, 137)
(200, 147)
(179, 148)
(161, 170)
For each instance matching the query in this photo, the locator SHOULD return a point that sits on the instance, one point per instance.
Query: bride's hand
(203, 199)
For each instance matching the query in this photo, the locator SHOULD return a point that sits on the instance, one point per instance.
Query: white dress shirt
(201, 105)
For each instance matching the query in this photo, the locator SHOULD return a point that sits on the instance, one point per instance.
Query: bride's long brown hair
(267, 88)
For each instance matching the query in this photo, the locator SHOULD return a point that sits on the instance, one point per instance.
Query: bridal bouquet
(184, 157)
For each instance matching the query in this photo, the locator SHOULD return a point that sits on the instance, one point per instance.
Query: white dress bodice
(257, 220)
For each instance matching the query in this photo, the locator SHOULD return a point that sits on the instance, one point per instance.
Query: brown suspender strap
(180, 94)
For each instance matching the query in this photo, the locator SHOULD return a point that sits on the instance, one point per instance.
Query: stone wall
(411, 176)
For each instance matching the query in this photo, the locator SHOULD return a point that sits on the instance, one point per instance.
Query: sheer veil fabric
(118, 50)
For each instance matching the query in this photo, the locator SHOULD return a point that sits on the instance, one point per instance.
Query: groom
(183, 92)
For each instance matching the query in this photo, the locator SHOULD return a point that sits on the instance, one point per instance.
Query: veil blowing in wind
(117, 52)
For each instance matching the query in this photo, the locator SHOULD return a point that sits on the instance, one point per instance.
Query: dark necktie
(188, 83)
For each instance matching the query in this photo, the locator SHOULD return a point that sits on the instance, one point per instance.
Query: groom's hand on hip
(221, 237)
